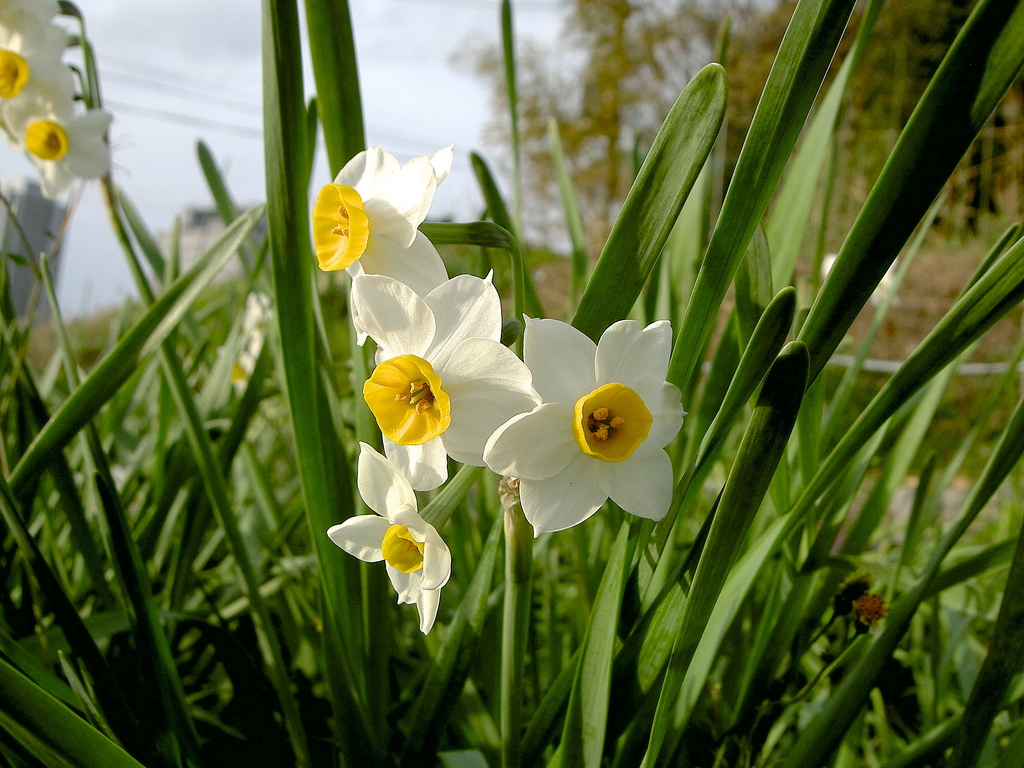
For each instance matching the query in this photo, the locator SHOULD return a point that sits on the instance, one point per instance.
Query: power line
(187, 93)
(217, 89)
(181, 118)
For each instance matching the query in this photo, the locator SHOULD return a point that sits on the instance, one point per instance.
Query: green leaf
(524, 297)
(654, 202)
(573, 220)
(794, 80)
(333, 51)
(323, 468)
(824, 731)
(754, 285)
(119, 365)
(791, 212)
(50, 731)
(1004, 660)
(446, 676)
(765, 343)
(991, 297)
(983, 62)
(583, 733)
(759, 453)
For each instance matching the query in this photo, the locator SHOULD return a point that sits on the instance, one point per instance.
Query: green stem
(515, 620)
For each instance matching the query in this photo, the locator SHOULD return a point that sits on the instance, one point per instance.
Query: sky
(176, 71)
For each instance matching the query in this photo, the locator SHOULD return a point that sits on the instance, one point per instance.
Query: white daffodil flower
(366, 221)
(257, 314)
(62, 146)
(14, 12)
(419, 563)
(443, 380)
(30, 56)
(607, 415)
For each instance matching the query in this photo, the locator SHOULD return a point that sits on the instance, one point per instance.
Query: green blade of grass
(765, 343)
(992, 296)
(824, 731)
(50, 731)
(333, 53)
(323, 470)
(983, 62)
(1004, 660)
(653, 204)
(754, 285)
(573, 220)
(759, 453)
(794, 80)
(583, 734)
(791, 212)
(524, 291)
(119, 365)
(450, 666)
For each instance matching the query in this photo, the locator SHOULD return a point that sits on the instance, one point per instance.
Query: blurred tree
(619, 65)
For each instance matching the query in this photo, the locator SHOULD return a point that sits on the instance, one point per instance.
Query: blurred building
(200, 228)
(40, 221)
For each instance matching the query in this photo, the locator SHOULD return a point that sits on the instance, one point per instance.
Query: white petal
(399, 206)
(627, 355)
(368, 171)
(561, 359)
(566, 499)
(487, 385)
(442, 162)
(384, 489)
(392, 314)
(535, 445)
(407, 585)
(427, 603)
(55, 178)
(361, 536)
(464, 307)
(437, 560)
(641, 485)
(419, 266)
(88, 155)
(667, 412)
(425, 465)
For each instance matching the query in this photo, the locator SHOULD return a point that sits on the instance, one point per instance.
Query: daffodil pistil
(406, 398)
(611, 422)
(401, 550)
(13, 74)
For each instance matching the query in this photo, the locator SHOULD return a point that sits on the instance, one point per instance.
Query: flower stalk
(515, 619)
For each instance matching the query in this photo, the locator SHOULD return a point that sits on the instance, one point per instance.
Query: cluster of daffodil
(37, 105)
(576, 422)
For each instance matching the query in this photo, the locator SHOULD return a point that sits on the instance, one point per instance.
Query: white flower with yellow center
(607, 415)
(366, 221)
(30, 56)
(14, 12)
(443, 380)
(62, 146)
(257, 314)
(418, 561)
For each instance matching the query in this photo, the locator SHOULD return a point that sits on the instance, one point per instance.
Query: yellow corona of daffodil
(366, 220)
(418, 561)
(600, 432)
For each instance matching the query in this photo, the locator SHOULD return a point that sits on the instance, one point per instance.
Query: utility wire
(178, 78)
(159, 86)
(182, 118)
